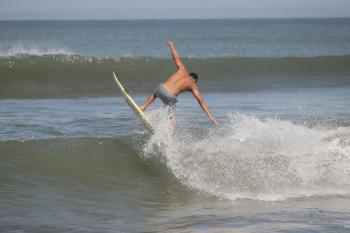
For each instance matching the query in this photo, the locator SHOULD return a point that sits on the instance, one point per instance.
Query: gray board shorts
(166, 97)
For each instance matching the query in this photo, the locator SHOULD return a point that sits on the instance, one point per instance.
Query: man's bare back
(177, 83)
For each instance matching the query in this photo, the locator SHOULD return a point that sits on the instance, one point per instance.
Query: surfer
(177, 83)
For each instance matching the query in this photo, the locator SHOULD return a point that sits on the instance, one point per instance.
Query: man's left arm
(203, 104)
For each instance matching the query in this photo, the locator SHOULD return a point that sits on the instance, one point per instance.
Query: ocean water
(74, 158)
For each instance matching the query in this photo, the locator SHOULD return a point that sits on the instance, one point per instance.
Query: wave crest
(31, 50)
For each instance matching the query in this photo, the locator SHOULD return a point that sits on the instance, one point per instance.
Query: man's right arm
(175, 55)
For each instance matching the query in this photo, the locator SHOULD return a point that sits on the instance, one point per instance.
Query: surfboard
(139, 113)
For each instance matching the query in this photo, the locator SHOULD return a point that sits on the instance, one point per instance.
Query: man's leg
(171, 115)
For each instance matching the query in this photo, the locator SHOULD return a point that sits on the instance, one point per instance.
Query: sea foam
(251, 158)
(31, 49)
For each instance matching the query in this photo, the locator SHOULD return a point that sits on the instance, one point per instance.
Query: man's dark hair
(194, 76)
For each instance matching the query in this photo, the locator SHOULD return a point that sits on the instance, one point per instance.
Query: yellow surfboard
(139, 113)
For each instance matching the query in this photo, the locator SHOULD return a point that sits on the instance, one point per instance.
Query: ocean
(74, 157)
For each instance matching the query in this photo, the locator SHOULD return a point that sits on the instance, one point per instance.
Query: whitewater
(249, 158)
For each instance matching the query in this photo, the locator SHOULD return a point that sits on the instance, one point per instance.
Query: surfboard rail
(132, 104)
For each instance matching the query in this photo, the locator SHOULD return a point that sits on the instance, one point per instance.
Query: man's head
(194, 76)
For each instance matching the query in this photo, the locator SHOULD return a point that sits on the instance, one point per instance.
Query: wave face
(247, 158)
(257, 159)
(63, 75)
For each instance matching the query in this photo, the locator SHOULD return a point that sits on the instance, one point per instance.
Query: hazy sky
(136, 9)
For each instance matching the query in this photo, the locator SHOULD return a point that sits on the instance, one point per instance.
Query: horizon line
(170, 19)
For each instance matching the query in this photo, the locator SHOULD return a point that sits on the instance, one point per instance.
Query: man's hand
(142, 107)
(214, 121)
(170, 43)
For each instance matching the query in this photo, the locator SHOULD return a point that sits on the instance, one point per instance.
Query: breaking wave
(30, 50)
(250, 158)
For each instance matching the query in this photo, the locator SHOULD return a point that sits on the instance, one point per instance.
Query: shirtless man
(179, 82)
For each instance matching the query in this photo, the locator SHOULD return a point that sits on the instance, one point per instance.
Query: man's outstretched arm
(203, 104)
(176, 56)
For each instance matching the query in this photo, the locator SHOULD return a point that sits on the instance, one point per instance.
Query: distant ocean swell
(67, 75)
